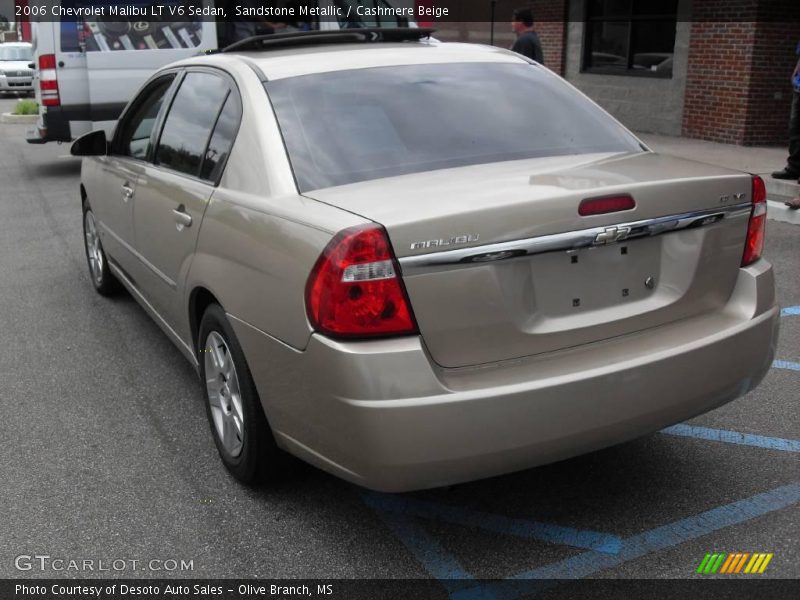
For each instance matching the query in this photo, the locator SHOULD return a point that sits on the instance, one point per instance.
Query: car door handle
(181, 217)
(127, 192)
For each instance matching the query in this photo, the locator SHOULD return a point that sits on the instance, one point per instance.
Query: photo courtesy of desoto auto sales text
(399, 299)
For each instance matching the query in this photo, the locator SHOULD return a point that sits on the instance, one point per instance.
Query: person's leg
(792, 168)
(793, 162)
(794, 145)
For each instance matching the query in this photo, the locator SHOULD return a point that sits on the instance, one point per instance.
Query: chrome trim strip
(141, 258)
(572, 240)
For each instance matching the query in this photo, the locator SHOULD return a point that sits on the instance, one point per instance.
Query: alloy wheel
(224, 393)
(94, 251)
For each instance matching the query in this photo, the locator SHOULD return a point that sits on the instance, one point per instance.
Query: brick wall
(737, 88)
(770, 91)
(552, 30)
(551, 26)
(740, 58)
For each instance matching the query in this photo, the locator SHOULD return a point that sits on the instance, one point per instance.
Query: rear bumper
(53, 126)
(382, 415)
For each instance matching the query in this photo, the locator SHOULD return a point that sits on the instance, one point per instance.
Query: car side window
(135, 129)
(188, 125)
(222, 139)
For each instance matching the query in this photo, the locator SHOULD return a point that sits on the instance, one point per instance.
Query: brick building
(711, 69)
(13, 27)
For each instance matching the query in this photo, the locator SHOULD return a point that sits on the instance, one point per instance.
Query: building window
(630, 37)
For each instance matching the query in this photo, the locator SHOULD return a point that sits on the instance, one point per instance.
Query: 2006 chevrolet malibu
(413, 263)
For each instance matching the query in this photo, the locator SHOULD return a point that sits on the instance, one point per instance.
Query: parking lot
(108, 454)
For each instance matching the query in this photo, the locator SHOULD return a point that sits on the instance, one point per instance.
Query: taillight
(47, 61)
(754, 244)
(605, 205)
(355, 290)
(48, 81)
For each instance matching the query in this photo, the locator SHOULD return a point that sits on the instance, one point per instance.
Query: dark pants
(793, 161)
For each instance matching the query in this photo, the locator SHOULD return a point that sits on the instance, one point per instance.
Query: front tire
(241, 432)
(102, 278)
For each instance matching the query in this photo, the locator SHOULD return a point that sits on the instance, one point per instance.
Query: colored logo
(737, 562)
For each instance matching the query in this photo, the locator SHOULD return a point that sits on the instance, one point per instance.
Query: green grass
(26, 107)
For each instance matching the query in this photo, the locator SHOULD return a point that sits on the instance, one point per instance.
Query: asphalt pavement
(107, 454)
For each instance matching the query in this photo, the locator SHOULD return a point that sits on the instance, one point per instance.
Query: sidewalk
(759, 160)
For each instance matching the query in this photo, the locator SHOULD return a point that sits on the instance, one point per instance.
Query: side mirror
(90, 144)
(31, 65)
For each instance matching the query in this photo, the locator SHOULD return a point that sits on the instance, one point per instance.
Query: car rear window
(349, 126)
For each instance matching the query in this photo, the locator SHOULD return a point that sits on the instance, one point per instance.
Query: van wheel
(241, 432)
(102, 278)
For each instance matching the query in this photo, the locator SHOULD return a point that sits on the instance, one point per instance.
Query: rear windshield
(350, 126)
(16, 53)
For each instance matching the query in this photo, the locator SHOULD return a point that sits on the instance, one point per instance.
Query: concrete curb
(781, 188)
(18, 119)
(778, 211)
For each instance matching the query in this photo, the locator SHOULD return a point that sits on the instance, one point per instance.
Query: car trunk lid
(498, 263)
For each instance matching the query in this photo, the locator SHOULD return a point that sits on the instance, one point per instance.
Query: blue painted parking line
(733, 437)
(522, 528)
(790, 311)
(637, 546)
(785, 364)
(604, 551)
(436, 560)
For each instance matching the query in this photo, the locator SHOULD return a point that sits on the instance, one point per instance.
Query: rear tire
(241, 432)
(102, 278)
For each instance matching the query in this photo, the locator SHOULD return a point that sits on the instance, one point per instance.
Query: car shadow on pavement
(56, 169)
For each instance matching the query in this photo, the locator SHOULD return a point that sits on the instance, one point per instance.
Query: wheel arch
(199, 300)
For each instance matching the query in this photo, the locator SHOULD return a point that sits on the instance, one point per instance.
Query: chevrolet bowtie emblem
(611, 235)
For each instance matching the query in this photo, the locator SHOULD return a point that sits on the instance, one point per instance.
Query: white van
(87, 71)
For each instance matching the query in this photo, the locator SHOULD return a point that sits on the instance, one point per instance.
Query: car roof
(323, 58)
(15, 44)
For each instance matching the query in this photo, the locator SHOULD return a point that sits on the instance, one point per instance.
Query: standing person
(527, 43)
(792, 168)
